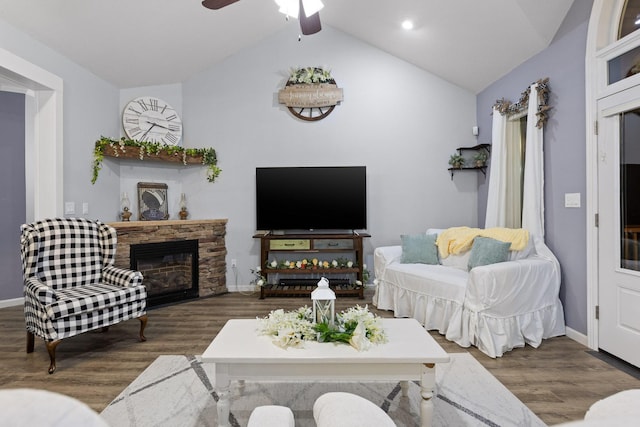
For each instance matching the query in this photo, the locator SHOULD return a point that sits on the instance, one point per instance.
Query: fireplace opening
(170, 270)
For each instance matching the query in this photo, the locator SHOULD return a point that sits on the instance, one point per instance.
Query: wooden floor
(558, 381)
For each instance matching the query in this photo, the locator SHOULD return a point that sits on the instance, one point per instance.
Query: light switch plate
(69, 208)
(572, 200)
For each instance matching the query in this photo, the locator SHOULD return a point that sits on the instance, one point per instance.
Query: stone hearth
(210, 234)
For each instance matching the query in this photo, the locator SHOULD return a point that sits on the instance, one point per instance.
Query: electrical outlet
(234, 263)
(69, 208)
(85, 208)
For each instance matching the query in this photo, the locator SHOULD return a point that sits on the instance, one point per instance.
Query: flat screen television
(311, 198)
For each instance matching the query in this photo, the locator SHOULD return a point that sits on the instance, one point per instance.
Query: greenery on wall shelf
(456, 161)
(131, 149)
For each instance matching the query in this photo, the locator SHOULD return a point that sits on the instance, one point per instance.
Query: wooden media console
(298, 278)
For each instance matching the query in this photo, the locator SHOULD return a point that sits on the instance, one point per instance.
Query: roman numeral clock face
(152, 120)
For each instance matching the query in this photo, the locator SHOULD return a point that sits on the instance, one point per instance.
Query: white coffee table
(239, 353)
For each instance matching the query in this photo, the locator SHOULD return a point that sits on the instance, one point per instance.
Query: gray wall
(399, 121)
(396, 120)
(564, 63)
(90, 109)
(12, 192)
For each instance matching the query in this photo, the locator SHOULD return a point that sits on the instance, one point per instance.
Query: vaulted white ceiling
(134, 43)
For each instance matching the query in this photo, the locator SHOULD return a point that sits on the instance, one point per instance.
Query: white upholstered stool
(338, 409)
(31, 407)
(271, 416)
(624, 404)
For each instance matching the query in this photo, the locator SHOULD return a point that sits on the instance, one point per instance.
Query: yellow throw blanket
(457, 240)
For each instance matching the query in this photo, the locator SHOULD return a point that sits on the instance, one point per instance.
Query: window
(630, 18)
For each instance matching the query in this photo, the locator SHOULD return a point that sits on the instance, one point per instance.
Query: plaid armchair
(70, 283)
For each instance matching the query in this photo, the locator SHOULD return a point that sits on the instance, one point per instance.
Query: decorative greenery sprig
(149, 149)
(327, 333)
(310, 75)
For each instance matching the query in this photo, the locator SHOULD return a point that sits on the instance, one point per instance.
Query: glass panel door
(630, 190)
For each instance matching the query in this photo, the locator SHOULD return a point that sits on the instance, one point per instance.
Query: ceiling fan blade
(309, 24)
(217, 4)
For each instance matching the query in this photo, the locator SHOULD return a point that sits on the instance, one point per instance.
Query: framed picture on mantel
(152, 201)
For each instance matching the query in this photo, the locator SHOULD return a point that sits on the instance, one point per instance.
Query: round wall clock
(152, 120)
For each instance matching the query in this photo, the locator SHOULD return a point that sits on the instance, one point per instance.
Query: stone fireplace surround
(210, 234)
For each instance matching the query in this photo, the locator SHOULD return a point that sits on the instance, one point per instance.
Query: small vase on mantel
(183, 207)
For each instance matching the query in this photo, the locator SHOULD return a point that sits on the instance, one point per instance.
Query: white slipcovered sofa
(495, 307)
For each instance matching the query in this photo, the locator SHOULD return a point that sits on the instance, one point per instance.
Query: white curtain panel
(513, 177)
(533, 193)
(496, 194)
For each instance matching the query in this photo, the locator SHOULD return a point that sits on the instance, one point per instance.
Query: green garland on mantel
(129, 148)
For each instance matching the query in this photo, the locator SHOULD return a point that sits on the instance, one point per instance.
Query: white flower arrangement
(356, 326)
(371, 323)
(259, 280)
(310, 75)
(307, 264)
(289, 328)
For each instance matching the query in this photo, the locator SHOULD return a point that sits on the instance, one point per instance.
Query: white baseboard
(11, 302)
(577, 336)
(249, 288)
(242, 288)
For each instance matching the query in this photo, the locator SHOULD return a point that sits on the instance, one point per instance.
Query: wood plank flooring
(558, 381)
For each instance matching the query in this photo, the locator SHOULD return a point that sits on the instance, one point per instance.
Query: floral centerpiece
(356, 326)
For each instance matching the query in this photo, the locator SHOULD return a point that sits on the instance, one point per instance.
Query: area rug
(176, 391)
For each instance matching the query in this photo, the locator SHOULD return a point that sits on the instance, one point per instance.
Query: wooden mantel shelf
(141, 151)
(133, 153)
(167, 223)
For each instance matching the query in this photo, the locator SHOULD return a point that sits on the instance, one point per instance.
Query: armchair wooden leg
(143, 324)
(30, 342)
(51, 349)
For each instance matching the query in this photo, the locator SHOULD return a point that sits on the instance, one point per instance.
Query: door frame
(43, 136)
(602, 45)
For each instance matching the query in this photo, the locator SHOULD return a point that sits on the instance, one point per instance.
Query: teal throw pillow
(486, 250)
(419, 249)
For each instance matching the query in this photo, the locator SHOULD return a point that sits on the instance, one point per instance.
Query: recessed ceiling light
(407, 24)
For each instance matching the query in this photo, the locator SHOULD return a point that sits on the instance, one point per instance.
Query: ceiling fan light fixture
(292, 7)
(312, 6)
(289, 7)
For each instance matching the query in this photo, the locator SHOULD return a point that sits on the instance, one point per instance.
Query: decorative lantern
(183, 207)
(324, 303)
(126, 206)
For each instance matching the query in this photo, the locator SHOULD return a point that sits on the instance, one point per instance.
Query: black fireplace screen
(170, 270)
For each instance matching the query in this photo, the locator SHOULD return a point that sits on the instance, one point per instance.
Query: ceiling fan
(307, 11)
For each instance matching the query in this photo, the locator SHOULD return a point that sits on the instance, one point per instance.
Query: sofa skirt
(490, 334)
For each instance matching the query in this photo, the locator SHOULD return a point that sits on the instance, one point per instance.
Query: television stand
(309, 246)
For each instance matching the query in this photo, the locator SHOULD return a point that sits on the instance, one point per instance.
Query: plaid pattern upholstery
(70, 283)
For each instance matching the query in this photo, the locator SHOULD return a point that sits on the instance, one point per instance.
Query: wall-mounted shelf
(141, 150)
(162, 156)
(479, 147)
